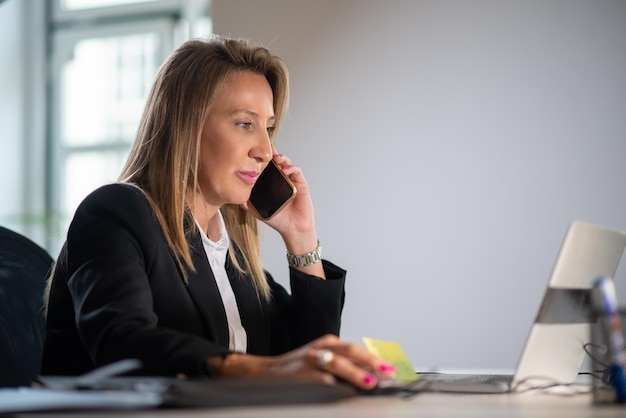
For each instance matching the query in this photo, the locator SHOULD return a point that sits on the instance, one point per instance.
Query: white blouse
(216, 253)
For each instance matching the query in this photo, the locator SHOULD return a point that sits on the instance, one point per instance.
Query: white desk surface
(422, 405)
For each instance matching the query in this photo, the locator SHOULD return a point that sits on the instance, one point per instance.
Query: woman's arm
(129, 298)
(325, 360)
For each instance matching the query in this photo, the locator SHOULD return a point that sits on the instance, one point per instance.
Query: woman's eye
(271, 130)
(245, 125)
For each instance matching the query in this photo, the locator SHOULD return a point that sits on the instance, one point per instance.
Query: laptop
(555, 347)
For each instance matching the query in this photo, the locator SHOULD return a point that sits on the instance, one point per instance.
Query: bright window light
(89, 4)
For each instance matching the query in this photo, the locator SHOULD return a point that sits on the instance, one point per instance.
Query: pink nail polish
(387, 368)
(368, 380)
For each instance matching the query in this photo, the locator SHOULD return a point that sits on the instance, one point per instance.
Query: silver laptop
(554, 350)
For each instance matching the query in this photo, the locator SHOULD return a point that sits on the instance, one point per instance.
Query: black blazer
(118, 293)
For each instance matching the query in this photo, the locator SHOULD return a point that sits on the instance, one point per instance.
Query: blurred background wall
(448, 145)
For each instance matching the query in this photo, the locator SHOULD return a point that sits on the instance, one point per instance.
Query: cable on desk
(576, 388)
(592, 357)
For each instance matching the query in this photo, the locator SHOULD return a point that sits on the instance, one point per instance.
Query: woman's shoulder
(115, 194)
(113, 208)
(117, 200)
(116, 190)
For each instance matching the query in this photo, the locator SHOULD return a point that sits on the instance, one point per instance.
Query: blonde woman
(164, 265)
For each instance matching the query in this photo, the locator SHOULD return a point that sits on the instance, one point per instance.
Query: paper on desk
(393, 353)
(34, 399)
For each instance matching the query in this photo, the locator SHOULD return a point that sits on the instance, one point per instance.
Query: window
(105, 54)
(87, 4)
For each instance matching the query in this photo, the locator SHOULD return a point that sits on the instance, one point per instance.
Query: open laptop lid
(554, 350)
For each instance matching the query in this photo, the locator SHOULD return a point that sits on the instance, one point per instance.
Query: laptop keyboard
(468, 378)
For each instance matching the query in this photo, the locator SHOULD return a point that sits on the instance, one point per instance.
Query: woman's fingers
(349, 362)
(287, 165)
(355, 353)
(323, 377)
(328, 359)
(345, 369)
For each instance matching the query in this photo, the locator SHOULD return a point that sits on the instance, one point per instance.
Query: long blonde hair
(165, 157)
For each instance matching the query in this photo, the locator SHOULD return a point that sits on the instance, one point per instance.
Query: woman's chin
(239, 202)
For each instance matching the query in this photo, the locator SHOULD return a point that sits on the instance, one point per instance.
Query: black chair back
(24, 267)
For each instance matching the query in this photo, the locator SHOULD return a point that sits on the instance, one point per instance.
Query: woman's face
(236, 145)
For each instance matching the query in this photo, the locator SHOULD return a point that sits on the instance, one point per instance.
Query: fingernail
(285, 167)
(387, 368)
(369, 379)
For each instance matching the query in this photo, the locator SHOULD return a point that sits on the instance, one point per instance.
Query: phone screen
(271, 192)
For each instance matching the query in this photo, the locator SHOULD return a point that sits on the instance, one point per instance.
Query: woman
(164, 266)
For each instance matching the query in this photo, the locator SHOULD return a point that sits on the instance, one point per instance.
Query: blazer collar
(205, 294)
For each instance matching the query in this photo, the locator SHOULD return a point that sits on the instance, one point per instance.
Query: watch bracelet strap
(307, 259)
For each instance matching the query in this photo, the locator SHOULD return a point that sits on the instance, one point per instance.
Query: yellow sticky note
(393, 353)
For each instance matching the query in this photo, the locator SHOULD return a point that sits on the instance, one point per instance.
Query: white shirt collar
(220, 246)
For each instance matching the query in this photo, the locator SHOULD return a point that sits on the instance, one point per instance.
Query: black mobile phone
(271, 192)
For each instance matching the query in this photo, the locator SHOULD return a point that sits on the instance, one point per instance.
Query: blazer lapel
(204, 292)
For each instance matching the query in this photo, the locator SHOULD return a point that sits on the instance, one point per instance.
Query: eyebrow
(249, 112)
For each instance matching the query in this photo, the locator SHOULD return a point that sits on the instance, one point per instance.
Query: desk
(422, 405)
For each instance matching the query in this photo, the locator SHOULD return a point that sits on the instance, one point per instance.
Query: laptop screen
(554, 350)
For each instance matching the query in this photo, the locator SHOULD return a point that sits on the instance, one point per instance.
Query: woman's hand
(296, 221)
(325, 359)
(297, 217)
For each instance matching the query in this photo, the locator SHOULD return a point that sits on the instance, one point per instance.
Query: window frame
(173, 20)
(64, 42)
(146, 8)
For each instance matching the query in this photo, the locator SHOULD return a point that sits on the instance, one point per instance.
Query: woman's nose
(262, 151)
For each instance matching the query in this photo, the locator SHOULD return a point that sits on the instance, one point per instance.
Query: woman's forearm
(237, 365)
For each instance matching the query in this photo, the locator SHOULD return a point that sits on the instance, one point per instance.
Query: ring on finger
(324, 358)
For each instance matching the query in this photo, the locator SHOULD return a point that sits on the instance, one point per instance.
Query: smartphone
(271, 192)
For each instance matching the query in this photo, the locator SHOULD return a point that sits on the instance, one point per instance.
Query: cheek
(207, 165)
(216, 145)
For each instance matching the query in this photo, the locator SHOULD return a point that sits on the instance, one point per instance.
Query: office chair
(23, 270)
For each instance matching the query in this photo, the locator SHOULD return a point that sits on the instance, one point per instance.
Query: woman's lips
(249, 177)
